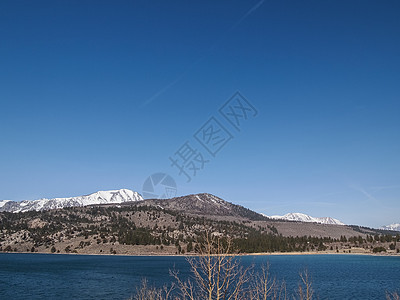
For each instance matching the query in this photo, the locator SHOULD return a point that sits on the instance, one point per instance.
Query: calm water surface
(45, 276)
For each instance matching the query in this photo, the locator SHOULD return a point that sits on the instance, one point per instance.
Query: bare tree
(392, 296)
(145, 292)
(263, 287)
(305, 290)
(216, 273)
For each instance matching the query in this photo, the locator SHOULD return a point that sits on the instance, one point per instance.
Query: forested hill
(175, 226)
(204, 205)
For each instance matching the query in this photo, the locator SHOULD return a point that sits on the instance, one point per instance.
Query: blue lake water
(41, 276)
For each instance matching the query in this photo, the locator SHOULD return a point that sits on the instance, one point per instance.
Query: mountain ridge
(204, 204)
(200, 204)
(99, 197)
(301, 217)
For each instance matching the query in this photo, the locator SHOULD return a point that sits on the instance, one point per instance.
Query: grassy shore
(353, 251)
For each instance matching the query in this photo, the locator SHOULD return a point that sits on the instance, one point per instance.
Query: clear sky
(98, 95)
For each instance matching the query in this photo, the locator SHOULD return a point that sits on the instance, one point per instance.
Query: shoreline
(193, 255)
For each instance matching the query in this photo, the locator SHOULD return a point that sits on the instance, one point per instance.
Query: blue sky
(98, 95)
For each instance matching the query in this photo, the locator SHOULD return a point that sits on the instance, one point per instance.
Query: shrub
(379, 249)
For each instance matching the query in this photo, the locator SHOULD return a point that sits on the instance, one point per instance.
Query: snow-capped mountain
(395, 227)
(306, 218)
(100, 197)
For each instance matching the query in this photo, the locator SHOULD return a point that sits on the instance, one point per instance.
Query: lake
(45, 276)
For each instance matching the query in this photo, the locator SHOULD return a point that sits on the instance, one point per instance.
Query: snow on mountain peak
(3, 202)
(300, 217)
(100, 197)
(394, 227)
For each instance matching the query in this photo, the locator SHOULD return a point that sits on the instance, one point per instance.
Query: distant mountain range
(121, 222)
(200, 204)
(300, 217)
(100, 197)
(394, 227)
(203, 204)
(196, 207)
